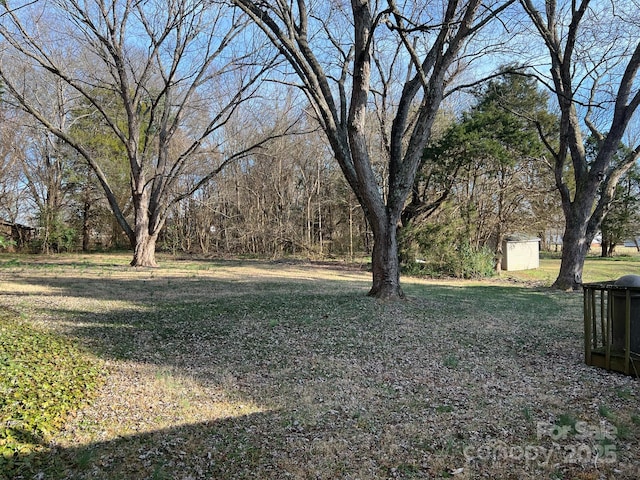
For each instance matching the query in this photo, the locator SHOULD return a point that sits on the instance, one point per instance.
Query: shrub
(474, 263)
(6, 243)
(438, 250)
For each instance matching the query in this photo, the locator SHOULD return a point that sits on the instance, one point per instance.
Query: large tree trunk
(144, 252)
(144, 241)
(385, 263)
(575, 246)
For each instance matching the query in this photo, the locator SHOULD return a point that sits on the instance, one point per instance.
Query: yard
(267, 370)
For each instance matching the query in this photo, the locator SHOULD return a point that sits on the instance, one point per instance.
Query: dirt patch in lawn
(272, 370)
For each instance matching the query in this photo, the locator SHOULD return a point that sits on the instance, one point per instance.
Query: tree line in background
(405, 132)
(481, 179)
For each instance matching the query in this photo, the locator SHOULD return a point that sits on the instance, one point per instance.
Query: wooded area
(420, 133)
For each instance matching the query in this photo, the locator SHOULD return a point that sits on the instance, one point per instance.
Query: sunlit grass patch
(596, 268)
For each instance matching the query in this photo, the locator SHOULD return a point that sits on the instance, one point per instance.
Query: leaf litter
(289, 371)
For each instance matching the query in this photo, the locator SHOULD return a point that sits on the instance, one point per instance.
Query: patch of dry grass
(286, 370)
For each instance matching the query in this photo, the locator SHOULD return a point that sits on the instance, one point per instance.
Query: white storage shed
(520, 252)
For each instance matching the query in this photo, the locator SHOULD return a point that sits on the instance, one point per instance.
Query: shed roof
(520, 237)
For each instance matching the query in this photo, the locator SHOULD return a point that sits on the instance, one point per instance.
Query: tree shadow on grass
(151, 286)
(347, 386)
(171, 321)
(238, 447)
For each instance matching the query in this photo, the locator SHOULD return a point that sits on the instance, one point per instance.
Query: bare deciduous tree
(594, 57)
(346, 54)
(12, 153)
(170, 71)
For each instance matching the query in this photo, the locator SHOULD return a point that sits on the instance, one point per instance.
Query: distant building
(520, 252)
(20, 234)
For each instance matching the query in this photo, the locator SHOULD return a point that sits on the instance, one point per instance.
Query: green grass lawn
(270, 370)
(596, 269)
